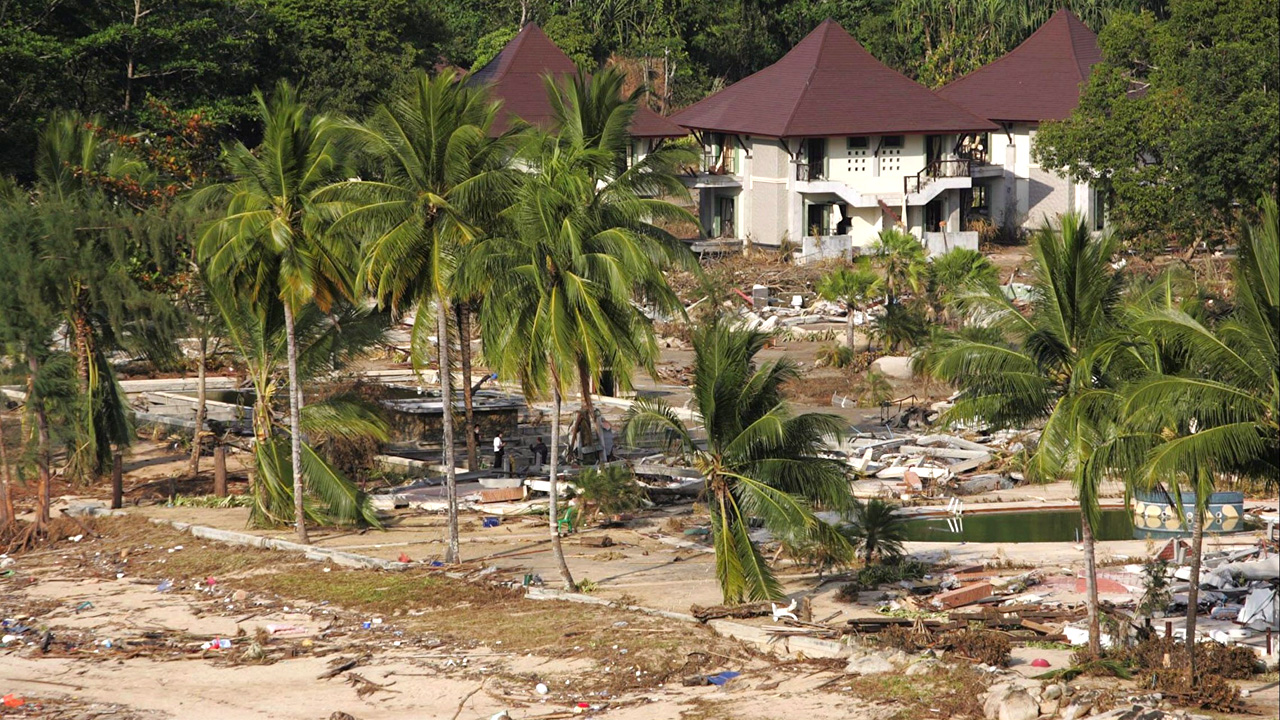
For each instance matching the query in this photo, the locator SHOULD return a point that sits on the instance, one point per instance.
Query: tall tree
(759, 459)
(594, 114)
(439, 178)
(1180, 123)
(1052, 365)
(1217, 414)
(273, 239)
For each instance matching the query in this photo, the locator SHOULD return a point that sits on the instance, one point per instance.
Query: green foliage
(900, 326)
(873, 576)
(1156, 591)
(853, 287)
(1200, 139)
(873, 389)
(759, 459)
(835, 356)
(875, 530)
(609, 490)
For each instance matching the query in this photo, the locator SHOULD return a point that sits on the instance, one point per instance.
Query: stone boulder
(896, 367)
(869, 664)
(1018, 705)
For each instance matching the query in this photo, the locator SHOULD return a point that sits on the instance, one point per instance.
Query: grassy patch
(950, 692)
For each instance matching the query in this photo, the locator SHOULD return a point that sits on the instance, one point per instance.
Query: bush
(898, 637)
(1213, 658)
(984, 646)
(611, 490)
(848, 593)
(873, 575)
(1211, 692)
(835, 355)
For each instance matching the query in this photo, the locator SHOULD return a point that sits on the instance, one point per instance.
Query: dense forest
(107, 56)
(1198, 142)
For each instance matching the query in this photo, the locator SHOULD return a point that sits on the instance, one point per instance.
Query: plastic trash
(12, 701)
(722, 678)
(165, 586)
(541, 689)
(404, 558)
(491, 522)
(84, 606)
(1040, 663)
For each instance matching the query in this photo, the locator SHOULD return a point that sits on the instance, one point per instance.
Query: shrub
(848, 593)
(984, 646)
(898, 637)
(873, 575)
(611, 490)
(1211, 692)
(835, 355)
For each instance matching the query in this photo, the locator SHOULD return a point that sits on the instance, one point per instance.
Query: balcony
(949, 168)
(717, 169)
(810, 171)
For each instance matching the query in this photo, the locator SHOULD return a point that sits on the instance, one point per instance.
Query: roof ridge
(825, 28)
(1071, 40)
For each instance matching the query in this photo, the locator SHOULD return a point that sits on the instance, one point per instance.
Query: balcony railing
(722, 163)
(810, 171)
(951, 167)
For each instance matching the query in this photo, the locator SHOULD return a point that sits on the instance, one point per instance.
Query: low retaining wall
(311, 552)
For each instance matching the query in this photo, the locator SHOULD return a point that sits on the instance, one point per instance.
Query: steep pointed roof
(1041, 79)
(827, 85)
(515, 74)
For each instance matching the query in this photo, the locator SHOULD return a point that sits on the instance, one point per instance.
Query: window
(892, 141)
(856, 143)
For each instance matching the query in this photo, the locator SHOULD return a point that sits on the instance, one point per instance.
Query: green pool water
(1039, 526)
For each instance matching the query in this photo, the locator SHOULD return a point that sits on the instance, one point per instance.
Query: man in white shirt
(499, 452)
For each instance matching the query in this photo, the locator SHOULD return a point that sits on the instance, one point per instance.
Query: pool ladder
(955, 519)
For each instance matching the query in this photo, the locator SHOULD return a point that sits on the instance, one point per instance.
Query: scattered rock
(1075, 711)
(1050, 706)
(869, 664)
(339, 715)
(1053, 692)
(1018, 705)
(923, 667)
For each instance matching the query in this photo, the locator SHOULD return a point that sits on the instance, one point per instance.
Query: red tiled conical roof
(515, 74)
(828, 85)
(1041, 79)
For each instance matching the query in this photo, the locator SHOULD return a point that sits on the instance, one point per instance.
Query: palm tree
(1217, 413)
(759, 459)
(901, 258)
(563, 275)
(439, 179)
(1054, 365)
(324, 342)
(273, 239)
(953, 273)
(593, 114)
(852, 287)
(876, 530)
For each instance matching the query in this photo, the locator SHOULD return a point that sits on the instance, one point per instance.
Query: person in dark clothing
(540, 452)
(499, 452)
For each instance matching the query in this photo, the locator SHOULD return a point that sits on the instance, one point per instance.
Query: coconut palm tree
(562, 275)
(273, 239)
(954, 273)
(1056, 364)
(438, 176)
(593, 113)
(324, 342)
(875, 529)
(901, 259)
(1217, 412)
(759, 459)
(852, 287)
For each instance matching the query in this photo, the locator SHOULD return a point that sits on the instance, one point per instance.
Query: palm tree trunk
(42, 443)
(1091, 584)
(201, 406)
(6, 480)
(1193, 592)
(464, 356)
(446, 398)
(295, 428)
(848, 327)
(556, 549)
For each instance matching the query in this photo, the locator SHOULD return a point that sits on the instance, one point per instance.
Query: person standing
(540, 451)
(499, 452)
